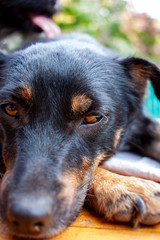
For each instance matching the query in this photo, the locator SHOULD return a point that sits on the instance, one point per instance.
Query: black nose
(29, 217)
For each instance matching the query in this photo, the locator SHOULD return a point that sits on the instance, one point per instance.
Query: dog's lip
(46, 24)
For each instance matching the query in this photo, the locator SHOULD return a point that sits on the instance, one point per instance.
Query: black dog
(65, 106)
(27, 16)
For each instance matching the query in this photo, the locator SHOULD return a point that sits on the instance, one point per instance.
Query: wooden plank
(88, 219)
(89, 226)
(75, 233)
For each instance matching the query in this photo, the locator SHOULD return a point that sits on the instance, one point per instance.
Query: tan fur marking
(100, 158)
(70, 181)
(85, 163)
(117, 137)
(80, 104)
(141, 74)
(25, 92)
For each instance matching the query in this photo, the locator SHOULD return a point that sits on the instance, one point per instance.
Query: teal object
(151, 103)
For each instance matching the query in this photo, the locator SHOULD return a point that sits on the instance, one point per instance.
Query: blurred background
(130, 27)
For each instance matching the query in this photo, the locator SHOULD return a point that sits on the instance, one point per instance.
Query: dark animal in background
(65, 106)
(28, 16)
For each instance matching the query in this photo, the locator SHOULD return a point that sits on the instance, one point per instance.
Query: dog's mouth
(28, 21)
(45, 24)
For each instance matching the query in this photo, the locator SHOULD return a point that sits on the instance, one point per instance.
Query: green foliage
(98, 18)
(103, 19)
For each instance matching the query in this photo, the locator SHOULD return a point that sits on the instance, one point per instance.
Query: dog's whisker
(91, 195)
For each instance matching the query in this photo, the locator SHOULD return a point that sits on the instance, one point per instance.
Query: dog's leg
(124, 199)
(144, 137)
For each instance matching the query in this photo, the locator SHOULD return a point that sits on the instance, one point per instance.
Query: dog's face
(64, 108)
(16, 15)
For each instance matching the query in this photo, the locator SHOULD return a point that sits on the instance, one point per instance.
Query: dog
(66, 106)
(28, 17)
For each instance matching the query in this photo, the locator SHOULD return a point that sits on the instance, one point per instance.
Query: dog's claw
(125, 199)
(133, 215)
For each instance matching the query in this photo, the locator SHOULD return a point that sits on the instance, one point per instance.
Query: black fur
(44, 146)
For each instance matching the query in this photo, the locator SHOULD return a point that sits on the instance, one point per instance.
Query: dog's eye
(92, 118)
(10, 109)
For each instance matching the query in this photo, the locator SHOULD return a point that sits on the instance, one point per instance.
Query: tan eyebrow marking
(25, 91)
(80, 103)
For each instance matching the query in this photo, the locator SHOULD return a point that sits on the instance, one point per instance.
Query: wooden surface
(88, 226)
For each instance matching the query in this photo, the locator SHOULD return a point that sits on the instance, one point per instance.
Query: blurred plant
(112, 23)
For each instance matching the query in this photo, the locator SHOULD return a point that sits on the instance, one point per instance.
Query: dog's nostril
(37, 226)
(29, 218)
(15, 223)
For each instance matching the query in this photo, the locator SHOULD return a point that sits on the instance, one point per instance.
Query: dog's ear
(142, 70)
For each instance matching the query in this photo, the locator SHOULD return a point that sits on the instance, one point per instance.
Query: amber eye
(92, 118)
(11, 109)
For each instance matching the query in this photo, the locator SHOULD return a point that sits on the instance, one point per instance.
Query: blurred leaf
(104, 20)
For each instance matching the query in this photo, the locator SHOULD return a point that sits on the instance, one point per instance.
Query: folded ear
(142, 70)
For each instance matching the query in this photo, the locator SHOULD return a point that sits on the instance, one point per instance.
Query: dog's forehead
(57, 73)
(50, 66)
(57, 61)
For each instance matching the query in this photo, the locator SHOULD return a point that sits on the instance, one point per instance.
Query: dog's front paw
(124, 199)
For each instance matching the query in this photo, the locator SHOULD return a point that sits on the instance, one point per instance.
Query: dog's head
(27, 16)
(64, 108)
